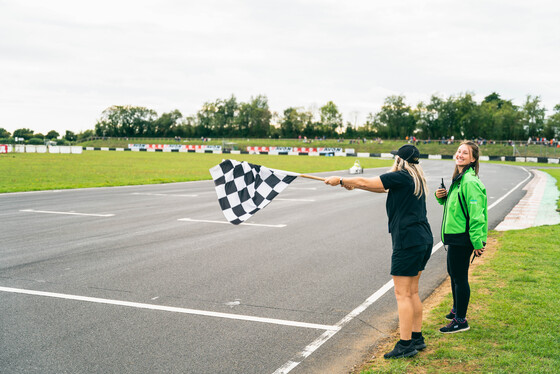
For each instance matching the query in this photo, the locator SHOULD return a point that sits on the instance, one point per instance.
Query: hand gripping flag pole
(244, 188)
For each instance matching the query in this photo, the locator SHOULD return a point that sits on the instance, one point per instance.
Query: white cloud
(64, 62)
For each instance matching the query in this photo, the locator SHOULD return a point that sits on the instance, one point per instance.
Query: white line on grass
(171, 309)
(66, 213)
(317, 343)
(227, 223)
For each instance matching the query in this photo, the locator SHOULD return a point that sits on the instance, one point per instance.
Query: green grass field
(35, 171)
(44, 171)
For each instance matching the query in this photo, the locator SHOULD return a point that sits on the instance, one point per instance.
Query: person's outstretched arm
(369, 184)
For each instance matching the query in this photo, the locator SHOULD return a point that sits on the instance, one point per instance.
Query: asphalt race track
(150, 279)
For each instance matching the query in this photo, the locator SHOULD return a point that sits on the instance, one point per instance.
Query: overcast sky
(63, 62)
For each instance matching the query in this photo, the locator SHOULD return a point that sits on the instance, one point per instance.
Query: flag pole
(312, 177)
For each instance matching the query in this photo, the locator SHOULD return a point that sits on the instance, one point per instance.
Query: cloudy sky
(63, 62)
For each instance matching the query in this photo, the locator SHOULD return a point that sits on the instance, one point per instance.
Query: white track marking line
(436, 247)
(227, 223)
(171, 309)
(317, 343)
(313, 346)
(302, 200)
(160, 194)
(510, 191)
(67, 213)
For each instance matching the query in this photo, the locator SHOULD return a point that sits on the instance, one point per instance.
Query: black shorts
(408, 262)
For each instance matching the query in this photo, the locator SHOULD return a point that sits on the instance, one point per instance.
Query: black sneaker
(450, 316)
(419, 343)
(455, 326)
(401, 351)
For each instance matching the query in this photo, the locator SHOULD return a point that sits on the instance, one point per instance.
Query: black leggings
(458, 260)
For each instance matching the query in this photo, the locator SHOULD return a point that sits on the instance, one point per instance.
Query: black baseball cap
(409, 153)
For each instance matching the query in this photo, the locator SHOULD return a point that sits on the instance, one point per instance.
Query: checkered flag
(244, 188)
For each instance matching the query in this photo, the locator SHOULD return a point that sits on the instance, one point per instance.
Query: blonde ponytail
(416, 172)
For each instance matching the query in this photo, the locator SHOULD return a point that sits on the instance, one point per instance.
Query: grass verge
(47, 171)
(555, 172)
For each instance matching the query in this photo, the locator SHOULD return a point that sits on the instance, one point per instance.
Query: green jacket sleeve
(440, 201)
(475, 196)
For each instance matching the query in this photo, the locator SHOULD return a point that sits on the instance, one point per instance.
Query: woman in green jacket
(464, 229)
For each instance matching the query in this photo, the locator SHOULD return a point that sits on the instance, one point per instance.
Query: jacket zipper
(443, 219)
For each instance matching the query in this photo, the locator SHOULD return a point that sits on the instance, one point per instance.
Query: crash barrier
(306, 152)
(301, 151)
(27, 148)
(175, 148)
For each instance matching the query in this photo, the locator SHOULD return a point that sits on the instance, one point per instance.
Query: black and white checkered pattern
(244, 188)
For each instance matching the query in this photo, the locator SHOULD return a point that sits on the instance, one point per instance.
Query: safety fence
(294, 151)
(26, 148)
(291, 151)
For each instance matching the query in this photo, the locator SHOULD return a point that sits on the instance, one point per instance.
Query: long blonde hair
(416, 172)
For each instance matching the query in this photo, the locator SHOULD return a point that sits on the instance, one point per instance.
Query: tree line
(31, 137)
(221, 118)
(463, 118)
(458, 116)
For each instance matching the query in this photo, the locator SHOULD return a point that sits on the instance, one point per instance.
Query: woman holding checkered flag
(411, 237)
